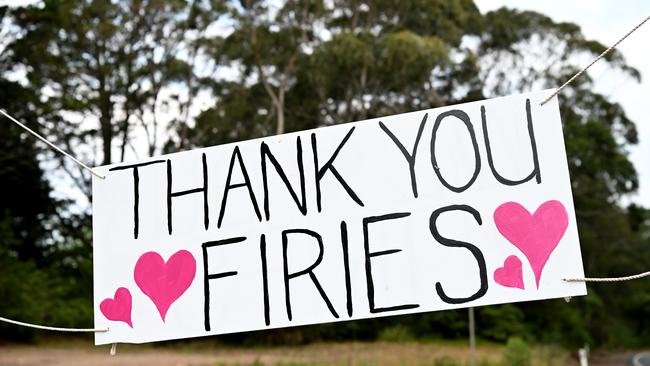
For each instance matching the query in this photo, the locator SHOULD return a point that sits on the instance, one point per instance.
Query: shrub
(396, 333)
(516, 353)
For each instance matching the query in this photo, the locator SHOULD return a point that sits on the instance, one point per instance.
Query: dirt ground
(378, 353)
(351, 353)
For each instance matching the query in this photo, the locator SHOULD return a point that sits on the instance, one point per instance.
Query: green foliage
(18, 283)
(500, 322)
(26, 203)
(43, 295)
(516, 353)
(396, 333)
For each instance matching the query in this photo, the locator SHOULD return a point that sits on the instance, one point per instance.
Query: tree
(27, 211)
(375, 62)
(265, 52)
(26, 205)
(104, 68)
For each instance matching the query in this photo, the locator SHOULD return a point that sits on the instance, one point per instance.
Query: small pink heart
(536, 235)
(164, 282)
(510, 275)
(119, 307)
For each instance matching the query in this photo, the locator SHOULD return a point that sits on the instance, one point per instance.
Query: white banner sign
(460, 206)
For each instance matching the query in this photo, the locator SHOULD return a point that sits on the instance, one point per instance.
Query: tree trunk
(279, 130)
(106, 126)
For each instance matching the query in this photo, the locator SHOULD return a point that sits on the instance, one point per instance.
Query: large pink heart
(164, 282)
(536, 235)
(510, 275)
(119, 307)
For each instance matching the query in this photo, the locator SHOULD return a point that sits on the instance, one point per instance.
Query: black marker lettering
(410, 157)
(265, 153)
(463, 117)
(136, 191)
(309, 270)
(329, 166)
(204, 190)
(265, 280)
(136, 203)
(346, 267)
(229, 186)
(369, 255)
(207, 277)
(476, 252)
(533, 145)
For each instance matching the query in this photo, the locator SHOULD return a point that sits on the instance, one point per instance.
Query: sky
(605, 21)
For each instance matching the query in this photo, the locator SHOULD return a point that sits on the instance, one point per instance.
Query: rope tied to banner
(113, 350)
(50, 144)
(608, 279)
(605, 279)
(55, 329)
(608, 50)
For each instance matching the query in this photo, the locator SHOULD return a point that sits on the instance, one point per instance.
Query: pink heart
(535, 235)
(510, 275)
(164, 282)
(119, 307)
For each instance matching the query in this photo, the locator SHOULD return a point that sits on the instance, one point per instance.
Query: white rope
(55, 329)
(604, 279)
(608, 50)
(611, 279)
(113, 349)
(50, 144)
